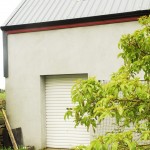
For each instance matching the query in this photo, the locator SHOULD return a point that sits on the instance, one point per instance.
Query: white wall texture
(91, 50)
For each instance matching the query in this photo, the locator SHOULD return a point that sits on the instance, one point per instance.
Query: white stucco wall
(91, 50)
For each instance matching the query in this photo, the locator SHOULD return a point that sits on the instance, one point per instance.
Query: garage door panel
(61, 133)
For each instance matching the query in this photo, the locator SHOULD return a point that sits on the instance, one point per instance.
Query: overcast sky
(6, 8)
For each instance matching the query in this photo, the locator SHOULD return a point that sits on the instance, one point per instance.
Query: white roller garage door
(61, 133)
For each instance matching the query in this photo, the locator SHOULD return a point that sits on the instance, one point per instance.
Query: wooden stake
(9, 130)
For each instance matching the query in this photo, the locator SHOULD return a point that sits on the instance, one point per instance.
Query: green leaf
(120, 110)
(115, 146)
(97, 145)
(132, 146)
(141, 108)
(68, 114)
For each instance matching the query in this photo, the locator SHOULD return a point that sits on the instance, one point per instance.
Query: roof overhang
(78, 22)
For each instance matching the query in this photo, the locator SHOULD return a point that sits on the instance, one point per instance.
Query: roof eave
(77, 20)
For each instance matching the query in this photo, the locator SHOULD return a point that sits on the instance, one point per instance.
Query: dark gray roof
(37, 11)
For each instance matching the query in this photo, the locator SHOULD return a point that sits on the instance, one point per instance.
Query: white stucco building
(48, 44)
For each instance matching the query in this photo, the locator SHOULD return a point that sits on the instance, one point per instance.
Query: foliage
(80, 147)
(114, 141)
(124, 98)
(3, 96)
(136, 48)
(86, 94)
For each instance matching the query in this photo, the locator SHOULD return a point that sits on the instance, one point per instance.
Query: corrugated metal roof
(37, 11)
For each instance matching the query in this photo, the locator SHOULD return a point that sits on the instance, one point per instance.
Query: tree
(124, 98)
(136, 49)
